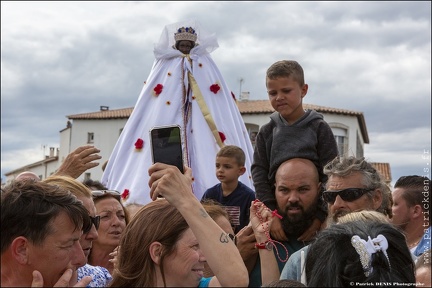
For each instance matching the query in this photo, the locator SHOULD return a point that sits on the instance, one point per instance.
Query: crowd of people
(311, 218)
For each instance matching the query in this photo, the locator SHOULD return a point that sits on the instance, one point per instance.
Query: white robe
(127, 167)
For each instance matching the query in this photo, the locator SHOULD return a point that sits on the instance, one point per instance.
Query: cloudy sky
(63, 58)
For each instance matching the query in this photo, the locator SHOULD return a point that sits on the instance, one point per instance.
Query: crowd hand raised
(62, 282)
(79, 161)
(261, 219)
(276, 231)
(167, 181)
(311, 232)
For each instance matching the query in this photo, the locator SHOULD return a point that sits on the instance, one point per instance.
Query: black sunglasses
(99, 193)
(349, 194)
(93, 221)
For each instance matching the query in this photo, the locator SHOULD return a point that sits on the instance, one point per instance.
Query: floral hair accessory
(125, 194)
(222, 136)
(215, 88)
(158, 89)
(366, 249)
(139, 144)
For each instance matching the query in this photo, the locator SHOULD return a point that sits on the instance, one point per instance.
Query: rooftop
(384, 170)
(245, 107)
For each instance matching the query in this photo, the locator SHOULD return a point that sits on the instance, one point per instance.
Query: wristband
(264, 245)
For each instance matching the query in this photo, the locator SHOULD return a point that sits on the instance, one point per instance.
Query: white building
(102, 129)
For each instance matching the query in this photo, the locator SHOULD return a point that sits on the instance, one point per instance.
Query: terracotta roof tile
(104, 114)
(245, 107)
(384, 170)
(264, 106)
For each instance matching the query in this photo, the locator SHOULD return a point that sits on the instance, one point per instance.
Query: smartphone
(166, 145)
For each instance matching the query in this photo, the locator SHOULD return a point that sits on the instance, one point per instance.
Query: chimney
(244, 96)
(51, 152)
(104, 108)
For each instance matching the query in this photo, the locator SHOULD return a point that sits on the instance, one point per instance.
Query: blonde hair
(74, 186)
(364, 215)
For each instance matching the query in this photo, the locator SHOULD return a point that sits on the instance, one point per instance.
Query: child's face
(227, 169)
(286, 95)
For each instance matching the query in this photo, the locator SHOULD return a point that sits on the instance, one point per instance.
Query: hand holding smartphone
(166, 145)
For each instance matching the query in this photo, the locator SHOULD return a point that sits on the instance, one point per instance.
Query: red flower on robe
(222, 136)
(125, 194)
(139, 144)
(215, 88)
(158, 89)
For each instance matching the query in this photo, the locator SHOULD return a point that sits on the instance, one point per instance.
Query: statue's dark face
(185, 46)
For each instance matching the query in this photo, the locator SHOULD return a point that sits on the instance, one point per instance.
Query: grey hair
(344, 166)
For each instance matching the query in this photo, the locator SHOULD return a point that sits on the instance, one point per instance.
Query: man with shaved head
(297, 190)
(353, 185)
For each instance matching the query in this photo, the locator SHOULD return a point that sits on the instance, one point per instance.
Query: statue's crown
(187, 33)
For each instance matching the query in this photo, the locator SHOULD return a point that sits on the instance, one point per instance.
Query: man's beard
(333, 218)
(295, 225)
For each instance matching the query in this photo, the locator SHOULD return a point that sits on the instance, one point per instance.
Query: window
(341, 138)
(252, 130)
(340, 141)
(90, 137)
(253, 136)
(359, 151)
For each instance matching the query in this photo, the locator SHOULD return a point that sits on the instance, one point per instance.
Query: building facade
(102, 129)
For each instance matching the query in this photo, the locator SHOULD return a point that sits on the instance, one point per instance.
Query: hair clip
(366, 249)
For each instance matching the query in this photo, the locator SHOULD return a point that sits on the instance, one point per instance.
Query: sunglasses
(93, 221)
(99, 193)
(349, 194)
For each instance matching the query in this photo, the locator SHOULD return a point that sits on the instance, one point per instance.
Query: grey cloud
(372, 57)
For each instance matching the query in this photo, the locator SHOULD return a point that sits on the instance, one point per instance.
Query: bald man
(297, 189)
(27, 175)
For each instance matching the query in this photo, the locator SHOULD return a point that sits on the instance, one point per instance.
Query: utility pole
(241, 81)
